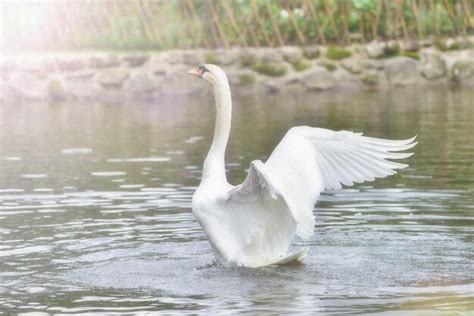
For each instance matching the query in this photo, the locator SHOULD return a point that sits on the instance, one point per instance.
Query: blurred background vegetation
(158, 25)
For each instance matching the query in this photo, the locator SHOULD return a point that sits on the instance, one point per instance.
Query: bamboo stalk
(416, 15)
(450, 11)
(467, 13)
(402, 18)
(345, 21)
(206, 42)
(299, 34)
(319, 28)
(251, 30)
(276, 30)
(434, 9)
(330, 15)
(144, 28)
(234, 23)
(215, 18)
(260, 23)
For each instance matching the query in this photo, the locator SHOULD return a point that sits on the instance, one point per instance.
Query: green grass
(302, 65)
(246, 79)
(328, 65)
(413, 55)
(270, 69)
(337, 53)
(211, 58)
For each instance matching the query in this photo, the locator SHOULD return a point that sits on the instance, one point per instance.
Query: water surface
(95, 211)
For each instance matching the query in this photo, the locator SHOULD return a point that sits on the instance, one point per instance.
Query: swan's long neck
(214, 165)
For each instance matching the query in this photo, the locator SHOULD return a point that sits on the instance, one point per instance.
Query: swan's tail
(297, 256)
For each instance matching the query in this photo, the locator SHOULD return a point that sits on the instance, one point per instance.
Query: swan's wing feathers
(309, 160)
(346, 158)
(255, 186)
(257, 220)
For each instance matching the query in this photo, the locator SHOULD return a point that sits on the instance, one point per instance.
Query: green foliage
(328, 65)
(413, 55)
(367, 5)
(246, 79)
(337, 53)
(138, 25)
(302, 65)
(211, 58)
(270, 69)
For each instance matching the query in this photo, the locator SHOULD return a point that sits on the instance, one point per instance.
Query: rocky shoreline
(105, 75)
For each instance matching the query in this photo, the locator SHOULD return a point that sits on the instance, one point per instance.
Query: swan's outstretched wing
(276, 200)
(309, 160)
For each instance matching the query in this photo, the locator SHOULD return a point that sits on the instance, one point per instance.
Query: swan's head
(210, 73)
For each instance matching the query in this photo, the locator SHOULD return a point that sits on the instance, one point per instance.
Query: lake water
(95, 208)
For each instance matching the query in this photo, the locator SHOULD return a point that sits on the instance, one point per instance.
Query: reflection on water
(95, 208)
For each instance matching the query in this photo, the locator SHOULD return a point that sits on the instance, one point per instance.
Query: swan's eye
(203, 70)
(198, 72)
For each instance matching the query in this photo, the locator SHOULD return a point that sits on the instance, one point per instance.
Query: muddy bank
(377, 65)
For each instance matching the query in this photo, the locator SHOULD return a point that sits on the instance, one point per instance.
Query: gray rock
(172, 57)
(291, 54)
(311, 52)
(433, 66)
(176, 84)
(7, 67)
(371, 78)
(410, 45)
(346, 81)
(375, 49)
(402, 71)
(451, 44)
(376, 64)
(319, 79)
(135, 60)
(85, 74)
(292, 80)
(112, 78)
(104, 61)
(70, 63)
(271, 56)
(248, 57)
(462, 69)
(141, 83)
(391, 48)
(80, 89)
(464, 42)
(426, 42)
(246, 78)
(210, 57)
(42, 66)
(191, 59)
(160, 71)
(271, 87)
(351, 65)
(227, 56)
(27, 86)
(272, 69)
(56, 90)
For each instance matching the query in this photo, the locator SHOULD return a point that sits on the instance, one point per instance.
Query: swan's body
(253, 224)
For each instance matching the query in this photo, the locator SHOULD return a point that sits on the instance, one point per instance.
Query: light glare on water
(95, 208)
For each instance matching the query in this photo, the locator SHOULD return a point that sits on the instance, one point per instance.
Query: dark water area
(95, 208)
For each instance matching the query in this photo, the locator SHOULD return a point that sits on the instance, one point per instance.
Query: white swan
(253, 224)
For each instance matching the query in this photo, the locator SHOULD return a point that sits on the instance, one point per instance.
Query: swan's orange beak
(196, 72)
